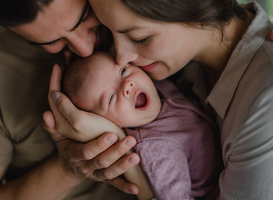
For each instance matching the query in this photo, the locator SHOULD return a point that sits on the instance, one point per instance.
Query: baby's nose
(128, 88)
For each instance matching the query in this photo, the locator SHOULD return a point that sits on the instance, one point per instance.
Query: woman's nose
(125, 57)
(124, 53)
(128, 88)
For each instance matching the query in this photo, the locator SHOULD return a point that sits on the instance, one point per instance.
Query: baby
(176, 142)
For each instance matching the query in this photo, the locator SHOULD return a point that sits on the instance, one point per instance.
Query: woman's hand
(100, 159)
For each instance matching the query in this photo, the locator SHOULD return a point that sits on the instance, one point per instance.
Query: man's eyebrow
(86, 7)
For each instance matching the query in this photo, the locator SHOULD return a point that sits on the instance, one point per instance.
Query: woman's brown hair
(209, 12)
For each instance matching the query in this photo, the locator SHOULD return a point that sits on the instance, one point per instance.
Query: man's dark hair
(17, 12)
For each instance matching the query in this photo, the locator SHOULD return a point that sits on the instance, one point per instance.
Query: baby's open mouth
(141, 100)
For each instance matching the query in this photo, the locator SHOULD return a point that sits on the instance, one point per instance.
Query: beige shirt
(24, 78)
(242, 101)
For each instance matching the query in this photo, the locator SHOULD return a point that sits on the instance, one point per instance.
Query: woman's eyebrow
(130, 29)
(86, 7)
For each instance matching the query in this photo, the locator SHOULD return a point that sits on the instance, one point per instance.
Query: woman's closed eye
(142, 41)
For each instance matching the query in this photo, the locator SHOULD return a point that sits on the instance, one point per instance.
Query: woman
(228, 44)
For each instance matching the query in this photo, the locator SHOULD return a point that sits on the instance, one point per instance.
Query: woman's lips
(150, 67)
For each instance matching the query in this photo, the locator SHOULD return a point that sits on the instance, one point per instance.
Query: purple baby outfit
(179, 150)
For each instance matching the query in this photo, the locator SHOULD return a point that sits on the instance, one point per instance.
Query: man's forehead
(53, 21)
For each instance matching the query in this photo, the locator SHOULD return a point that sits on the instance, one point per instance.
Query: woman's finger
(124, 185)
(119, 167)
(114, 153)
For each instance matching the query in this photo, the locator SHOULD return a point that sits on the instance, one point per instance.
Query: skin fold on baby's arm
(135, 175)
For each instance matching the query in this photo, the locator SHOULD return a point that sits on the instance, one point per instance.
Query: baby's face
(123, 94)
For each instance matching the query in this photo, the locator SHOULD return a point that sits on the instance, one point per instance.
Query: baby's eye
(111, 98)
(122, 71)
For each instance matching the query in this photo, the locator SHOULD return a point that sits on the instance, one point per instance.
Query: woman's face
(64, 23)
(161, 49)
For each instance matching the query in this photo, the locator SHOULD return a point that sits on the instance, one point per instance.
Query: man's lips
(150, 67)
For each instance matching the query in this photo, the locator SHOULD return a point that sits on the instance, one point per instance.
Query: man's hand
(100, 159)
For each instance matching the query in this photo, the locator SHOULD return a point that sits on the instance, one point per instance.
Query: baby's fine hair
(73, 77)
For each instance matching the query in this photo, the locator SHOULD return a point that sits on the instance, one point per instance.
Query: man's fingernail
(55, 96)
(132, 161)
(111, 139)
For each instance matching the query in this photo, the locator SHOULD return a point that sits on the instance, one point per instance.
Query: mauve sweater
(179, 150)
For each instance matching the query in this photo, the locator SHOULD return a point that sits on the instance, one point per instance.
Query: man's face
(123, 94)
(64, 23)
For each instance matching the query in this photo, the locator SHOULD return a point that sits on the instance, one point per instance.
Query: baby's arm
(101, 125)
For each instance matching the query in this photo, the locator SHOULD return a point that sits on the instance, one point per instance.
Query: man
(25, 71)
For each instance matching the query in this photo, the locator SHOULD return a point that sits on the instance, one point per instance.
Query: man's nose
(81, 46)
(82, 42)
(128, 88)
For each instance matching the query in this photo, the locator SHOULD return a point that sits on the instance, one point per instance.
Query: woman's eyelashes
(142, 41)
